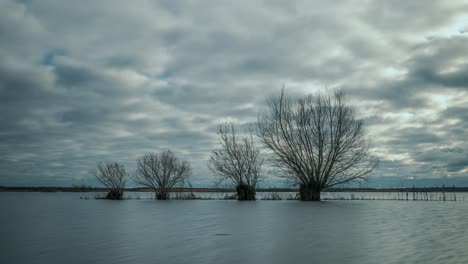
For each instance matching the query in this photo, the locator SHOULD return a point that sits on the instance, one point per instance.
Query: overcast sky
(84, 81)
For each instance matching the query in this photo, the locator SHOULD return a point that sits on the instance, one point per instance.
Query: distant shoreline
(228, 190)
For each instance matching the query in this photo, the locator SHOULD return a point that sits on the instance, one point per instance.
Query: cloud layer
(111, 80)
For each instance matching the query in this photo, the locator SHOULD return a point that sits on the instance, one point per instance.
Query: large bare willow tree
(317, 141)
(161, 172)
(237, 160)
(113, 176)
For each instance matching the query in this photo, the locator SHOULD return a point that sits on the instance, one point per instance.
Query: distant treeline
(99, 189)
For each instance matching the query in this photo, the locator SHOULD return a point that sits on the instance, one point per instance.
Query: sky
(88, 81)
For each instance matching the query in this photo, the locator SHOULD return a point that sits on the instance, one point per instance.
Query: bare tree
(318, 142)
(237, 160)
(113, 176)
(161, 171)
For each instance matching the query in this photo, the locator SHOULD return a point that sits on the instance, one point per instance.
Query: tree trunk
(162, 195)
(115, 195)
(245, 192)
(309, 192)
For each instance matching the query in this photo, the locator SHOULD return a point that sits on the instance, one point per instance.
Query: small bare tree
(237, 160)
(113, 176)
(318, 142)
(161, 171)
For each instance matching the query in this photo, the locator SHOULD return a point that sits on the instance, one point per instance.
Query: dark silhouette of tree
(237, 160)
(161, 171)
(113, 176)
(317, 141)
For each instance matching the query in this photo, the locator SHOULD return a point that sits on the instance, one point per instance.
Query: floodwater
(62, 228)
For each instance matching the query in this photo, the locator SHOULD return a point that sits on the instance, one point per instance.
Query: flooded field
(62, 228)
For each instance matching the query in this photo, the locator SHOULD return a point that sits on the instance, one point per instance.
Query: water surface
(61, 228)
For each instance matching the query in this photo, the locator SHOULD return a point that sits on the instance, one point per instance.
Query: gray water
(61, 228)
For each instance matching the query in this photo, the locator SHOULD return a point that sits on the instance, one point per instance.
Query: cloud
(108, 80)
(405, 17)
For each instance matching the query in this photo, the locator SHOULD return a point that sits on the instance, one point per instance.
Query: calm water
(61, 228)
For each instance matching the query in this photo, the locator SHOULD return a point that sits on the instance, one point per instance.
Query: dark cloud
(460, 113)
(70, 76)
(438, 62)
(412, 136)
(400, 94)
(404, 16)
(453, 160)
